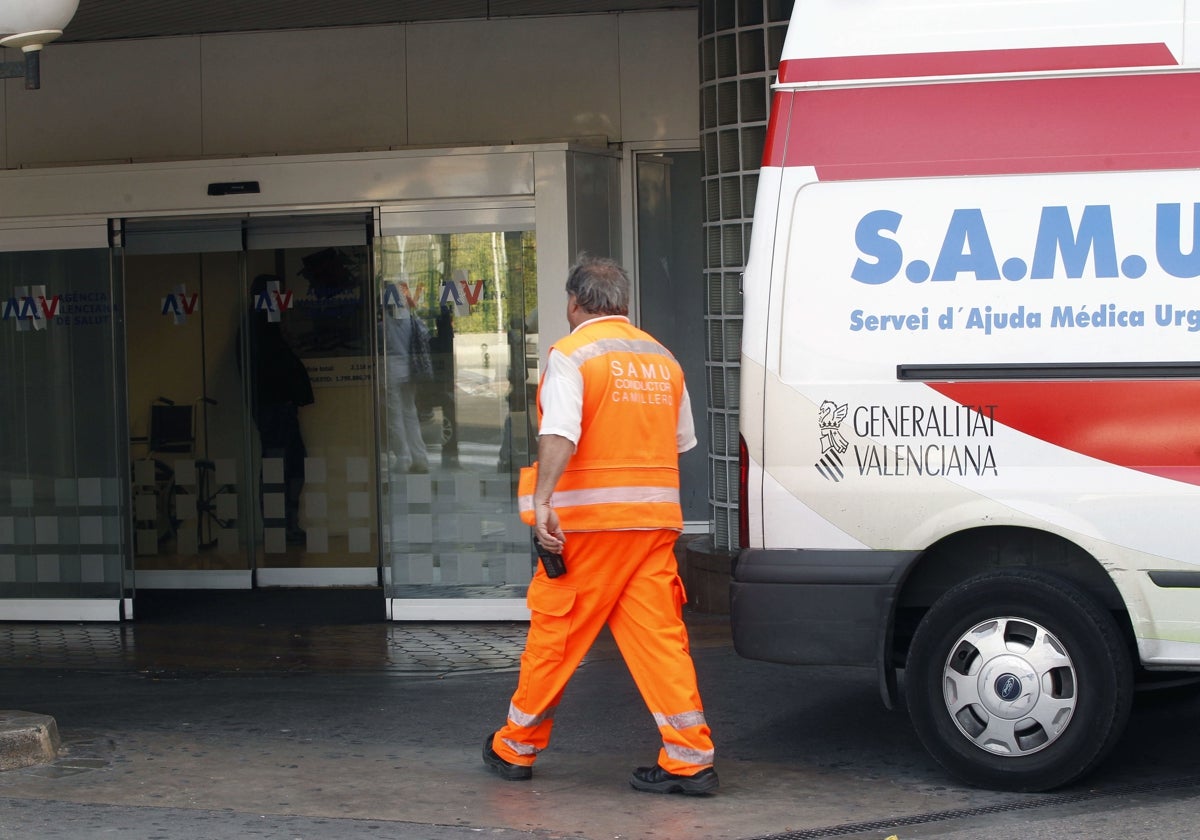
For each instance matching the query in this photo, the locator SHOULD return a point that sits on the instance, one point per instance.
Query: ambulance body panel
(971, 363)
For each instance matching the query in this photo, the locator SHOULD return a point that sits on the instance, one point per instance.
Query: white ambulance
(970, 399)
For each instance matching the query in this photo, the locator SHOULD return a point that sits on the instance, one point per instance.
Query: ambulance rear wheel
(1016, 680)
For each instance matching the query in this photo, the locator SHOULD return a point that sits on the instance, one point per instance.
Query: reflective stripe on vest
(584, 502)
(601, 346)
(603, 496)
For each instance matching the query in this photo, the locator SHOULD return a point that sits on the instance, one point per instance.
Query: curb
(26, 739)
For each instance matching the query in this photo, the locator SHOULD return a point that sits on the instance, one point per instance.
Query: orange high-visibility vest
(625, 470)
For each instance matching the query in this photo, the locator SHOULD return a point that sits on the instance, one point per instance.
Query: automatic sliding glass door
(251, 402)
(288, 385)
(311, 390)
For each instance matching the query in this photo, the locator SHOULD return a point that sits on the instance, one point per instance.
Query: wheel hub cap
(1010, 686)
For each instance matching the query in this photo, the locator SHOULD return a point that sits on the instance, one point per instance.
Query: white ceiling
(103, 20)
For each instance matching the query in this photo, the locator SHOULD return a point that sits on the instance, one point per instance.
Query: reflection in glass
(458, 345)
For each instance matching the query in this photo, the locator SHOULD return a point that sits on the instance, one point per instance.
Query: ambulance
(970, 393)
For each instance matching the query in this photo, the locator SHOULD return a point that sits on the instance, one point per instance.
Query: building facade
(275, 301)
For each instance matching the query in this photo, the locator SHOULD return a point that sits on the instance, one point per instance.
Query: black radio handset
(552, 562)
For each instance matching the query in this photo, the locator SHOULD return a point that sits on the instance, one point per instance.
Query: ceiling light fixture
(29, 25)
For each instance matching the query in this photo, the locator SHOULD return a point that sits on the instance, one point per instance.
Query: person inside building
(604, 494)
(281, 386)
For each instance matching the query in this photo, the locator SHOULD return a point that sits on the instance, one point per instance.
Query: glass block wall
(740, 44)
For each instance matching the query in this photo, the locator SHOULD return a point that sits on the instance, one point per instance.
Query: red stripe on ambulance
(1144, 425)
(1089, 124)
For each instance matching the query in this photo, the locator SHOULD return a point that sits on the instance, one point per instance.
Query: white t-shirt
(562, 399)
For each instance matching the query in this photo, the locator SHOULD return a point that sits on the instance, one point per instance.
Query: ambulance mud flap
(815, 607)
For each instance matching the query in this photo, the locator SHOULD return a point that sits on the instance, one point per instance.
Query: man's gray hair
(600, 286)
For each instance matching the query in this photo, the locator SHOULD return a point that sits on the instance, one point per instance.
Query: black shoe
(504, 769)
(657, 780)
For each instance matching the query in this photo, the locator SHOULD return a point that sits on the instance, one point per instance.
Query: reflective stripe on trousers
(676, 723)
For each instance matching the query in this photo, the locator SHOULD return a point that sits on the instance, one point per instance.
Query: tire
(1016, 680)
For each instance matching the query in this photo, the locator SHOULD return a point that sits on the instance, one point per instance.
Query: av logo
(833, 442)
(399, 296)
(272, 301)
(179, 304)
(462, 291)
(30, 308)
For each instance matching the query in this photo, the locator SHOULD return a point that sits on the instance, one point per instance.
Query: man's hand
(554, 451)
(546, 526)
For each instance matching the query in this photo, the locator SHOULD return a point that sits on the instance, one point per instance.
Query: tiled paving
(402, 648)
(441, 648)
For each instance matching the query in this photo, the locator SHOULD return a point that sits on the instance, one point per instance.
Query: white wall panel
(660, 76)
(304, 91)
(623, 77)
(108, 101)
(514, 80)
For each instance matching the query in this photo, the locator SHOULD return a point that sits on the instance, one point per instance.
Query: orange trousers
(630, 581)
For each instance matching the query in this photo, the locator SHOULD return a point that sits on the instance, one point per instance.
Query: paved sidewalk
(375, 731)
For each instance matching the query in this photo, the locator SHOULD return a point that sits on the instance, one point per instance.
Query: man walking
(614, 416)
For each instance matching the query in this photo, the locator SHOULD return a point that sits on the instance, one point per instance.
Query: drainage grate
(1047, 801)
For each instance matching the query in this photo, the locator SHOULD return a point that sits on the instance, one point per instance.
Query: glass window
(458, 356)
(62, 463)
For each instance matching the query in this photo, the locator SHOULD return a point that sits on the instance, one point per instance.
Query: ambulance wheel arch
(967, 554)
(1016, 679)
